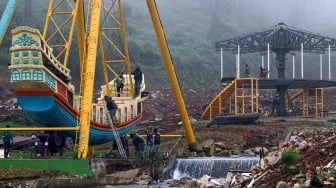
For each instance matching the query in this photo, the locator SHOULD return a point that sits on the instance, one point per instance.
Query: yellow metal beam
(88, 78)
(127, 59)
(170, 69)
(59, 27)
(81, 34)
(40, 129)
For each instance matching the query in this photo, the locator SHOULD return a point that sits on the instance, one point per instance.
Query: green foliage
(324, 175)
(190, 36)
(289, 159)
(321, 176)
(333, 173)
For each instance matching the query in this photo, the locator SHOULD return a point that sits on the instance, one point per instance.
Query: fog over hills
(193, 26)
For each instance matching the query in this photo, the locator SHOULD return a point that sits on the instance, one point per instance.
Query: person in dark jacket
(112, 108)
(275, 105)
(124, 142)
(120, 84)
(150, 141)
(137, 73)
(157, 140)
(139, 143)
(7, 138)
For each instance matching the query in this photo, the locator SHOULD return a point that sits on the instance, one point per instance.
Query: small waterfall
(213, 166)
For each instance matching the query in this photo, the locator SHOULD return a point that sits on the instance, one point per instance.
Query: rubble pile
(315, 168)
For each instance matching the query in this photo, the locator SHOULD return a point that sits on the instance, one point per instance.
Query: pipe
(329, 62)
(238, 62)
(221, 63)
(293, 66)
(301, 60)
(320, 66)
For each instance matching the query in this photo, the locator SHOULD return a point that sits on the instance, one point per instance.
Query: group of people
(262, 74)
(110, 103)
(152, 143)
(137, 74)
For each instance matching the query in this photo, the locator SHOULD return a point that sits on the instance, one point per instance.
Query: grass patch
(289, 159)
(68, 166)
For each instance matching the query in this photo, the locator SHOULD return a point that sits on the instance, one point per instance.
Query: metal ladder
(116, 136)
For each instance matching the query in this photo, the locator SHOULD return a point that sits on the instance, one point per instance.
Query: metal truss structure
(280, 39)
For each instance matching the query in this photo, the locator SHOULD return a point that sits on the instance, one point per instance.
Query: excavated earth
(161, 110)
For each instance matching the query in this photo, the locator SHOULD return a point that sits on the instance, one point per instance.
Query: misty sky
(317, 16)
(246, 16)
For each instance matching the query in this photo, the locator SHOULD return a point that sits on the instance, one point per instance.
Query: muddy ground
(161, 110)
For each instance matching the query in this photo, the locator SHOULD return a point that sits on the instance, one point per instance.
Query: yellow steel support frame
(58, 32)
(232, 109)
(307, 95)
(81, 38)
(242, 96)
(305, 103)
(113, 45)
(88, 77)
(59, 27)
(170, 69)
(319, 102)
(317, 94)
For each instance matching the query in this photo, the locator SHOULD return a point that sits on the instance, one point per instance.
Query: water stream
(216, 167)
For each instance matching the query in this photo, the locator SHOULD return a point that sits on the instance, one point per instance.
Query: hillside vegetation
(192, 27)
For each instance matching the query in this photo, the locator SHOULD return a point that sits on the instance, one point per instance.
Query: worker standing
(7, 138)
(157, 140)
(137, 79)
(120, 84)
(150, 141)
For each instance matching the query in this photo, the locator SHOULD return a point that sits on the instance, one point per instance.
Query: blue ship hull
(47, 111)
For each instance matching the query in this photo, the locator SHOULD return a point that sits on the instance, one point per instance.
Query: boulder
(209, 147)
(190, 184)
(282, 184)
(223, 153)
(124, 177)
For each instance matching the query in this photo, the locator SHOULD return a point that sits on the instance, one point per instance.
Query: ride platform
(294, 84)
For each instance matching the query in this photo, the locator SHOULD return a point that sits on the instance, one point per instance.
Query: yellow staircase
(311, 98)
(240, 94)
